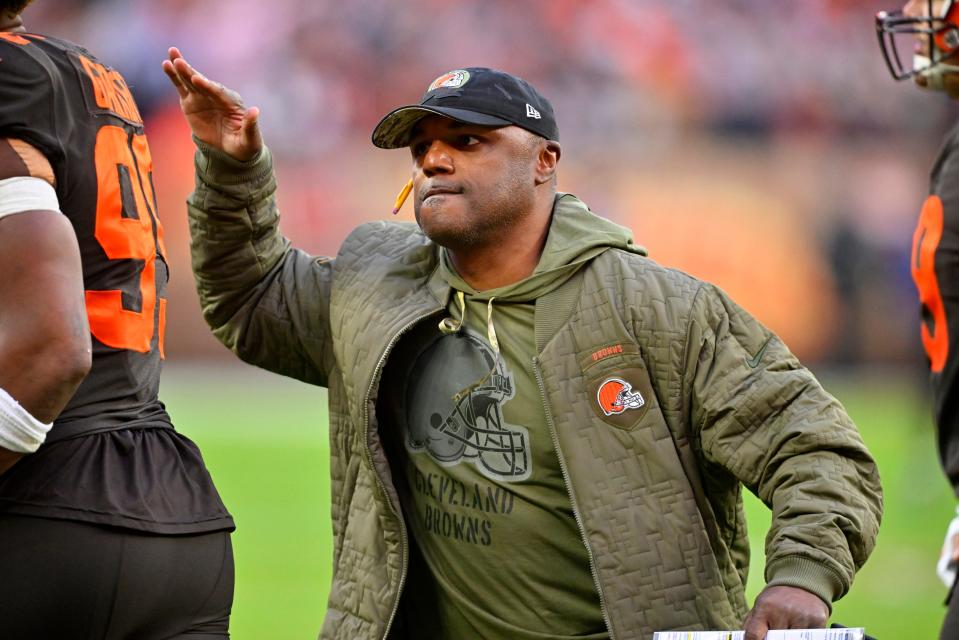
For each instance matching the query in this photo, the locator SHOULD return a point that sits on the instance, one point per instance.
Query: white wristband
(26, 194)
(19, 431)
(946, 568)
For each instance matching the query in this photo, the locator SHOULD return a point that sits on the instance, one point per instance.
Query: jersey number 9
(126, 229)
(925, 242)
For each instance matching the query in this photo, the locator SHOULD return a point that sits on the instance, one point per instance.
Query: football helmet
(454, 409)
(930, 38)
(616, 395)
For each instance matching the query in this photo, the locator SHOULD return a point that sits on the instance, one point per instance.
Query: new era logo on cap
(475, 95)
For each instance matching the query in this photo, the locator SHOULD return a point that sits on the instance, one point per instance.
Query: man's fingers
(215, 109)
(213, 88)
(755, 628)
(182, 66)
(228, 98)
(175, 78)
(757, 632)
(188, 80)
(785, 607)
(185, 73)
(178, 71)
(251, 129)
(250, 118)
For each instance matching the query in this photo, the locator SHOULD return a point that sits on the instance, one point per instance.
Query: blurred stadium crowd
(761, 145)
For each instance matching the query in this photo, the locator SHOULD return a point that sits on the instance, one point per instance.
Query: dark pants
(950, 626)
(77, 581)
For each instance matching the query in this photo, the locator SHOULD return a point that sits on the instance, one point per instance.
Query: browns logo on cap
(451, 80)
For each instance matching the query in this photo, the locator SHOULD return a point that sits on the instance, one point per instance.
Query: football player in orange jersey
(110, 526)
(921, 42)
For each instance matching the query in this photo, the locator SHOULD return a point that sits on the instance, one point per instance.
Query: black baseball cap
(475, 95)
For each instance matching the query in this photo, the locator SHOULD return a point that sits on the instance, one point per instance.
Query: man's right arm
(267, 302)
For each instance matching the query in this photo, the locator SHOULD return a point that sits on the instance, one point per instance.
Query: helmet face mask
(924, 44)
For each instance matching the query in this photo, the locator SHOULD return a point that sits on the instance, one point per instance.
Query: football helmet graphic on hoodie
(454, 409)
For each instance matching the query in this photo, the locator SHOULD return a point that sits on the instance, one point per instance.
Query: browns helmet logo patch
(615, 396)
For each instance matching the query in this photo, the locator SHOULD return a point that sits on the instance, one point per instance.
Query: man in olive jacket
(536, 431)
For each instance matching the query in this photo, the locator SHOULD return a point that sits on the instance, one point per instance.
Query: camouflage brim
(393, 131)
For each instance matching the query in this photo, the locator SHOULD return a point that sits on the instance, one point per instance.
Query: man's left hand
(782, 607)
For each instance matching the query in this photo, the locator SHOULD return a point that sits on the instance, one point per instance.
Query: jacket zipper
(572, 500)
(379, 481)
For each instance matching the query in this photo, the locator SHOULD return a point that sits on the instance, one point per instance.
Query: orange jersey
(112, 455)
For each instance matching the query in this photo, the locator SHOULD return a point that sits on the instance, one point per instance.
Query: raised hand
(783, 607)
(215, 113)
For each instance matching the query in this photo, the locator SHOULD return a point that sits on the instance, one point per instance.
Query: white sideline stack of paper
(856, 633)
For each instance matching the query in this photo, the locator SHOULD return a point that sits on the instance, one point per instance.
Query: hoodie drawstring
(490, 329)
(450, 325)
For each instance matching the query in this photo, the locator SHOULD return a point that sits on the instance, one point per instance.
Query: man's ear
(546, 160)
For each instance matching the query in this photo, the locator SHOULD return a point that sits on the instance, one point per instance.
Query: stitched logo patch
(450, 80)
(615, 396)
(605, 352)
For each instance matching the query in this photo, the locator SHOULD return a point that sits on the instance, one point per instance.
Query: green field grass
(265, 441)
